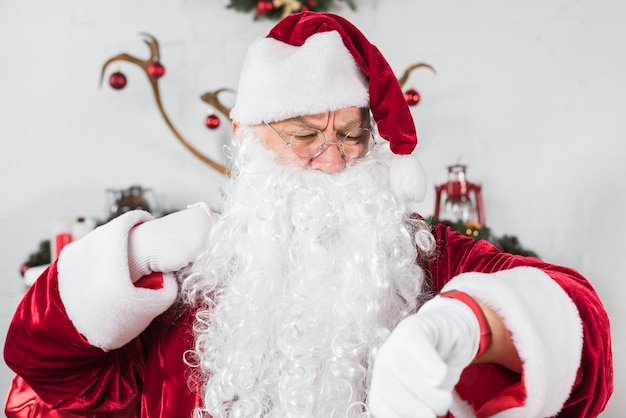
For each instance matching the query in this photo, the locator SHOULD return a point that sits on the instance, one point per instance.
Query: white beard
(306, 275)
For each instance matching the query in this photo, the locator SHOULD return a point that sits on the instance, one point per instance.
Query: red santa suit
(86, 342)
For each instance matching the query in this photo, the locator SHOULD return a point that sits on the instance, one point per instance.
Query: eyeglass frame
(324, 145)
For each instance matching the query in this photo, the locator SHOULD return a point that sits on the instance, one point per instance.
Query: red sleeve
(44, 348)
(593, 385)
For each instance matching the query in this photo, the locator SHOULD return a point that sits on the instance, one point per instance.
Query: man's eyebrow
(353, 124)
(349, 125)
(299, 121)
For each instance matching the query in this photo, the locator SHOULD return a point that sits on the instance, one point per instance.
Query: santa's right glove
(419, 364)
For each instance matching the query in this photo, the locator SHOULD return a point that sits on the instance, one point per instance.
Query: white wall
(531, 95)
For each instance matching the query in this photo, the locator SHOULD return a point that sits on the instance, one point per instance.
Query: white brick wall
(531, 95)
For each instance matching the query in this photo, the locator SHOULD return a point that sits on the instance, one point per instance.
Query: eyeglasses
(311, 142)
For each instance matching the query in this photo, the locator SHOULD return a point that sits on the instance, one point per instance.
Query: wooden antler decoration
(154, 70)
(405, 76)
(211, 98)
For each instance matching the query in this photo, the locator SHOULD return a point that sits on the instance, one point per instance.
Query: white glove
(169, 243)
(419, 364)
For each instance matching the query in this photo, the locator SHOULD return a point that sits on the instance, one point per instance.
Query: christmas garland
(277, 9)
(507, 243)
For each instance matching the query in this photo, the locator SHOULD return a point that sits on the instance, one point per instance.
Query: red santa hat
(312, 63)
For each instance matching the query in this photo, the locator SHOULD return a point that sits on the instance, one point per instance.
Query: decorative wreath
(277, 9)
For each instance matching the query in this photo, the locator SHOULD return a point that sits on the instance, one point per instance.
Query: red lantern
(117, 80)
(156, 70)
(459, 204)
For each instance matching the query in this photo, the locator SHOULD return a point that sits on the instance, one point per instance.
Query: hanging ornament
(278, 9)
(264, 7)
(212, 121)
(308, 6)
(412, 97)
(23, 269)
(117, 80)
(289, 6)
(156, 70)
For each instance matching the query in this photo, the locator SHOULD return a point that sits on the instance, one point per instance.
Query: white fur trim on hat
(280, 81)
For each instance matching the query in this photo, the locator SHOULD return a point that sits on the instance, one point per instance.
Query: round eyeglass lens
(307, 142)
(358, 143)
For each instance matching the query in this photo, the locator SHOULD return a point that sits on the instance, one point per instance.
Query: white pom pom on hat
(404, 170)
(312, 63)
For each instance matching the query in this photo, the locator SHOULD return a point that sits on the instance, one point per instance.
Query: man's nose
(331, 160)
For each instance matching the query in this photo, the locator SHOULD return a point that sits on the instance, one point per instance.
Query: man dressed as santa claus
(317, 291)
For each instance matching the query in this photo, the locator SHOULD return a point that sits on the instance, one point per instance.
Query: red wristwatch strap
(485, 330)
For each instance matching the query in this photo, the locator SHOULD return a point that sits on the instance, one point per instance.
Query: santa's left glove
(169, 243)
(419, 364)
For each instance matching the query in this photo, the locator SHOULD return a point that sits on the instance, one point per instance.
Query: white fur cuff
(546, 329)
(96, 289)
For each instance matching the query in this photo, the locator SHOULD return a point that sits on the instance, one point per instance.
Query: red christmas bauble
(264, 7)
(212, 121)
(156, 70)
(412, 97)
(117, 80)
(23, 269)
